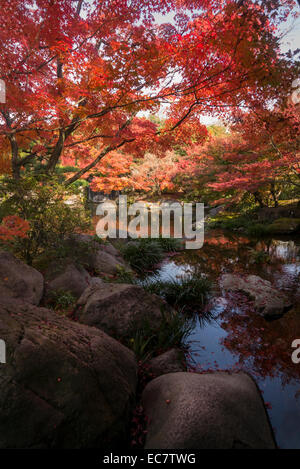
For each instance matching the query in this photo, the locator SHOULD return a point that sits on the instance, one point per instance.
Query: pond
(238, 338)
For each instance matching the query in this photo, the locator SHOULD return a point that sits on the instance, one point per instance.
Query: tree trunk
(14, 160)
(258, 199)
(56, 153)
(274, 195)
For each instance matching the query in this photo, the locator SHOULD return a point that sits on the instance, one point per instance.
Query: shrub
(245, 223)
(61, 300)
(42, 205)
(124, 276)
(142, 254)
(228, 221)
(170, 244)
(189, 292)
(257, 229)
(68, 248)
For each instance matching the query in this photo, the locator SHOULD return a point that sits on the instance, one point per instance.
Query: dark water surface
(237, 337)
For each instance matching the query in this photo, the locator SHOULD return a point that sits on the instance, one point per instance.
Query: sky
(292, 39)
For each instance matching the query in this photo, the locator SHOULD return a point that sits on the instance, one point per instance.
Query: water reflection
(285, 250)
(238, 337)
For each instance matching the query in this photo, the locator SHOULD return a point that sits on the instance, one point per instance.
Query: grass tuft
(147, 342)
(142, 254)
(189, 293)
(61, 300)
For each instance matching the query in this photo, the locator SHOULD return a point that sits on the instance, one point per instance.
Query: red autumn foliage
(79, 74)
(261, 155)
(13, 227)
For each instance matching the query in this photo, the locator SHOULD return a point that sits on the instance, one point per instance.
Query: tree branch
(101, 155)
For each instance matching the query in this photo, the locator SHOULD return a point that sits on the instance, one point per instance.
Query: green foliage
(228, 221)
(259, 257)
(44, 206)
(170, 244)
(65, 169)
(257, 229)
(245, 223)
(80, 183)
(247, 205)
(142, 254)
(217, 130)
(147, 341)
(190, 292)
(124, 276)
(67, 248)
(289, 192)
(61, 300)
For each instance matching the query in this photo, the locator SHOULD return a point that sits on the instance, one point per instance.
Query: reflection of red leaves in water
(217, 240)
(263, 347)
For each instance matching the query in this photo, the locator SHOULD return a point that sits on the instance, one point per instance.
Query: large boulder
(268, 301)
(285, 226)
(100, 258)
(19, 280)
(116, 308)
(172, 361)
(95, 283)
(104, 263)
(68, 278)
(64, 385)
(205, 411)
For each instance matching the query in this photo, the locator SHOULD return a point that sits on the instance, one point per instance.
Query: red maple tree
(78, 73)
(261, 156)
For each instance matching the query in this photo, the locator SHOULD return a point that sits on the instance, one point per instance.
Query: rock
(89, 291)
(96, 281)
(70, 278)
(117, 308)
(65, 385)
(171, 361)
(101, 257)
(99, 196)
(103, 262)
(110, 249)
(285, 226)
(19, 280)
(78, 238)
(215, 210)
(268, 301)
(205, 411)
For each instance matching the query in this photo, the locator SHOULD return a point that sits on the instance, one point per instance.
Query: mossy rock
(285, 226)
